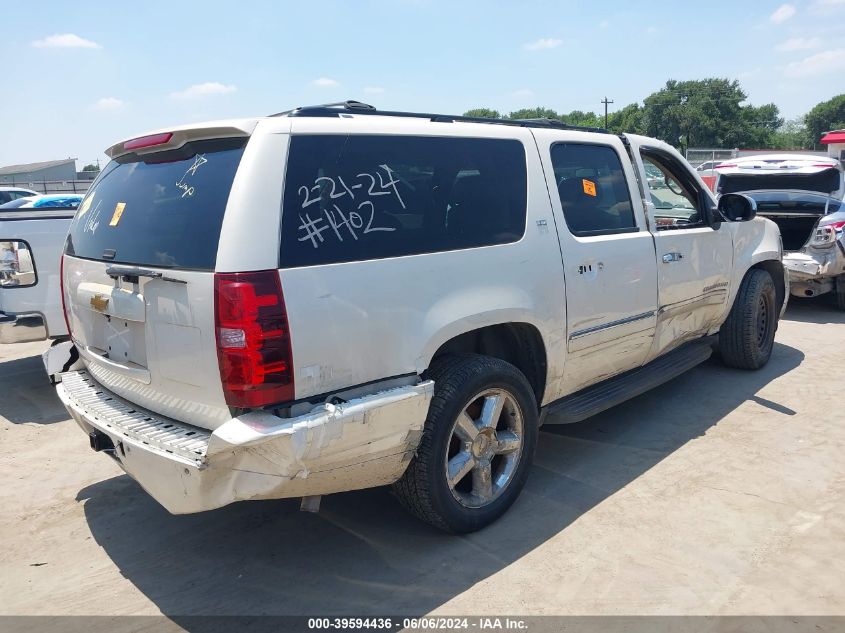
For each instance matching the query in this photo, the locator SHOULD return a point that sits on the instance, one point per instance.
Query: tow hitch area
(100, 441)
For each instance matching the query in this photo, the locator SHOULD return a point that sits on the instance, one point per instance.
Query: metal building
(835, 141)
(46, 171)
(51, 176)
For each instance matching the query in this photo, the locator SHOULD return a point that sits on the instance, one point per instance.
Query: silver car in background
(811, 226)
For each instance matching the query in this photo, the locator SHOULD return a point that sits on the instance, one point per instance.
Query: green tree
(585, 119)
(708, 113)
(792, 135)
(90, 167)
(758, 125)
(534, 113)
(827, 115)
(629, 119)
(576, 117)
(484, 112)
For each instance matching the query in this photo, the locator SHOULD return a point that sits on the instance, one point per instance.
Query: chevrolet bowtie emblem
(99, 303)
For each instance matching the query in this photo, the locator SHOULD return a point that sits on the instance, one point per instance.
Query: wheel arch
(516, 342)
(757, 244)
(779, 276)
(777, 272)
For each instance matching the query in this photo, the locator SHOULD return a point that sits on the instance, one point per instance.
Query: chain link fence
(50, 186)
(699, 155)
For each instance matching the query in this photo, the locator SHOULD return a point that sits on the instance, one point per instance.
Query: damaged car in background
(813, 240)
(803, 195)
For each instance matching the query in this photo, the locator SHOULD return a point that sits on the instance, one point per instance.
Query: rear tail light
(62, 287)
(825, 234)
(17, 269)
(253, 339)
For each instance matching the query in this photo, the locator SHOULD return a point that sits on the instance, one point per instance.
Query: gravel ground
(719, 493)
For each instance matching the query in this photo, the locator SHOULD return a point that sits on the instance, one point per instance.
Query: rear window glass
(162, 210)
(794, 201)
(359, 197)
(826, 181)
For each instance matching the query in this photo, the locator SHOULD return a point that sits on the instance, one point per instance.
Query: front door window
(675, 204)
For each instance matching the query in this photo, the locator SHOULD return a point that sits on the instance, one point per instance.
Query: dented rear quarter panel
(819, 262)
(363, 321)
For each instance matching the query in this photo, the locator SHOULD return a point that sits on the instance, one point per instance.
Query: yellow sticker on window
(118, 211)
(589, 187)
(86, 204)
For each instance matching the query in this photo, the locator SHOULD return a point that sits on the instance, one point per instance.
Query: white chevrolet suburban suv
(336, 298)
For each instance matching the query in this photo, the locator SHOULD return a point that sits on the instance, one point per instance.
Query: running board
(608, 393)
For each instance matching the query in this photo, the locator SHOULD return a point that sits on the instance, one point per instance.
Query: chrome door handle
(668, 258)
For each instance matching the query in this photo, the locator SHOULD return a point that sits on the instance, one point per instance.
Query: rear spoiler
(176, 137)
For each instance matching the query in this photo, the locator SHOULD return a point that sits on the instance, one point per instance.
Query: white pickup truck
(32, 236)
(337, 298)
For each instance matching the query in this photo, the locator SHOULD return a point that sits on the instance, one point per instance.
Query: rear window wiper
(130, 274)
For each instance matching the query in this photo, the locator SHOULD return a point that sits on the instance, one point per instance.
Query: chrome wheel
(485, 447)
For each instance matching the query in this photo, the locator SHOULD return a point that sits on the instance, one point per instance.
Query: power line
(605, 102)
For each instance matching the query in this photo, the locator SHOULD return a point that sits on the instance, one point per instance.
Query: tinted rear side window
(592, 188)
(164, 209)
(359, 197)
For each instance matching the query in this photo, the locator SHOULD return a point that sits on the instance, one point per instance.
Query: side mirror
(736, 207)
(672, 185)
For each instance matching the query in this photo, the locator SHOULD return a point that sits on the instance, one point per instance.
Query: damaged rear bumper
(812, 271)
(362, 443)
(803, 266)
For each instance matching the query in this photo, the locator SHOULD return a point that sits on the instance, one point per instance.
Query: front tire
(477, 445)
(747, 337)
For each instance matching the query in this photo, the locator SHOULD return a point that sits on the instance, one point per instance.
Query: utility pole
(605, 102)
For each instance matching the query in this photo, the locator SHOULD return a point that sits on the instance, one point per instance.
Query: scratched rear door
(139, 277)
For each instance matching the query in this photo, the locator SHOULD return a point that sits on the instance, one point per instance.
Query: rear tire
(747, 337)
(477, 445)
(839, 291)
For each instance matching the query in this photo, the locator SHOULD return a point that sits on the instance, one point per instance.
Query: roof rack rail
(356, 107)
(327, 109)
(546, 122)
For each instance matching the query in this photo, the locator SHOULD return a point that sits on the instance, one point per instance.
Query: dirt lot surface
(723, 492)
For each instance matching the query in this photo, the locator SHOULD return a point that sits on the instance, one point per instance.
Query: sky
(80, 76)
